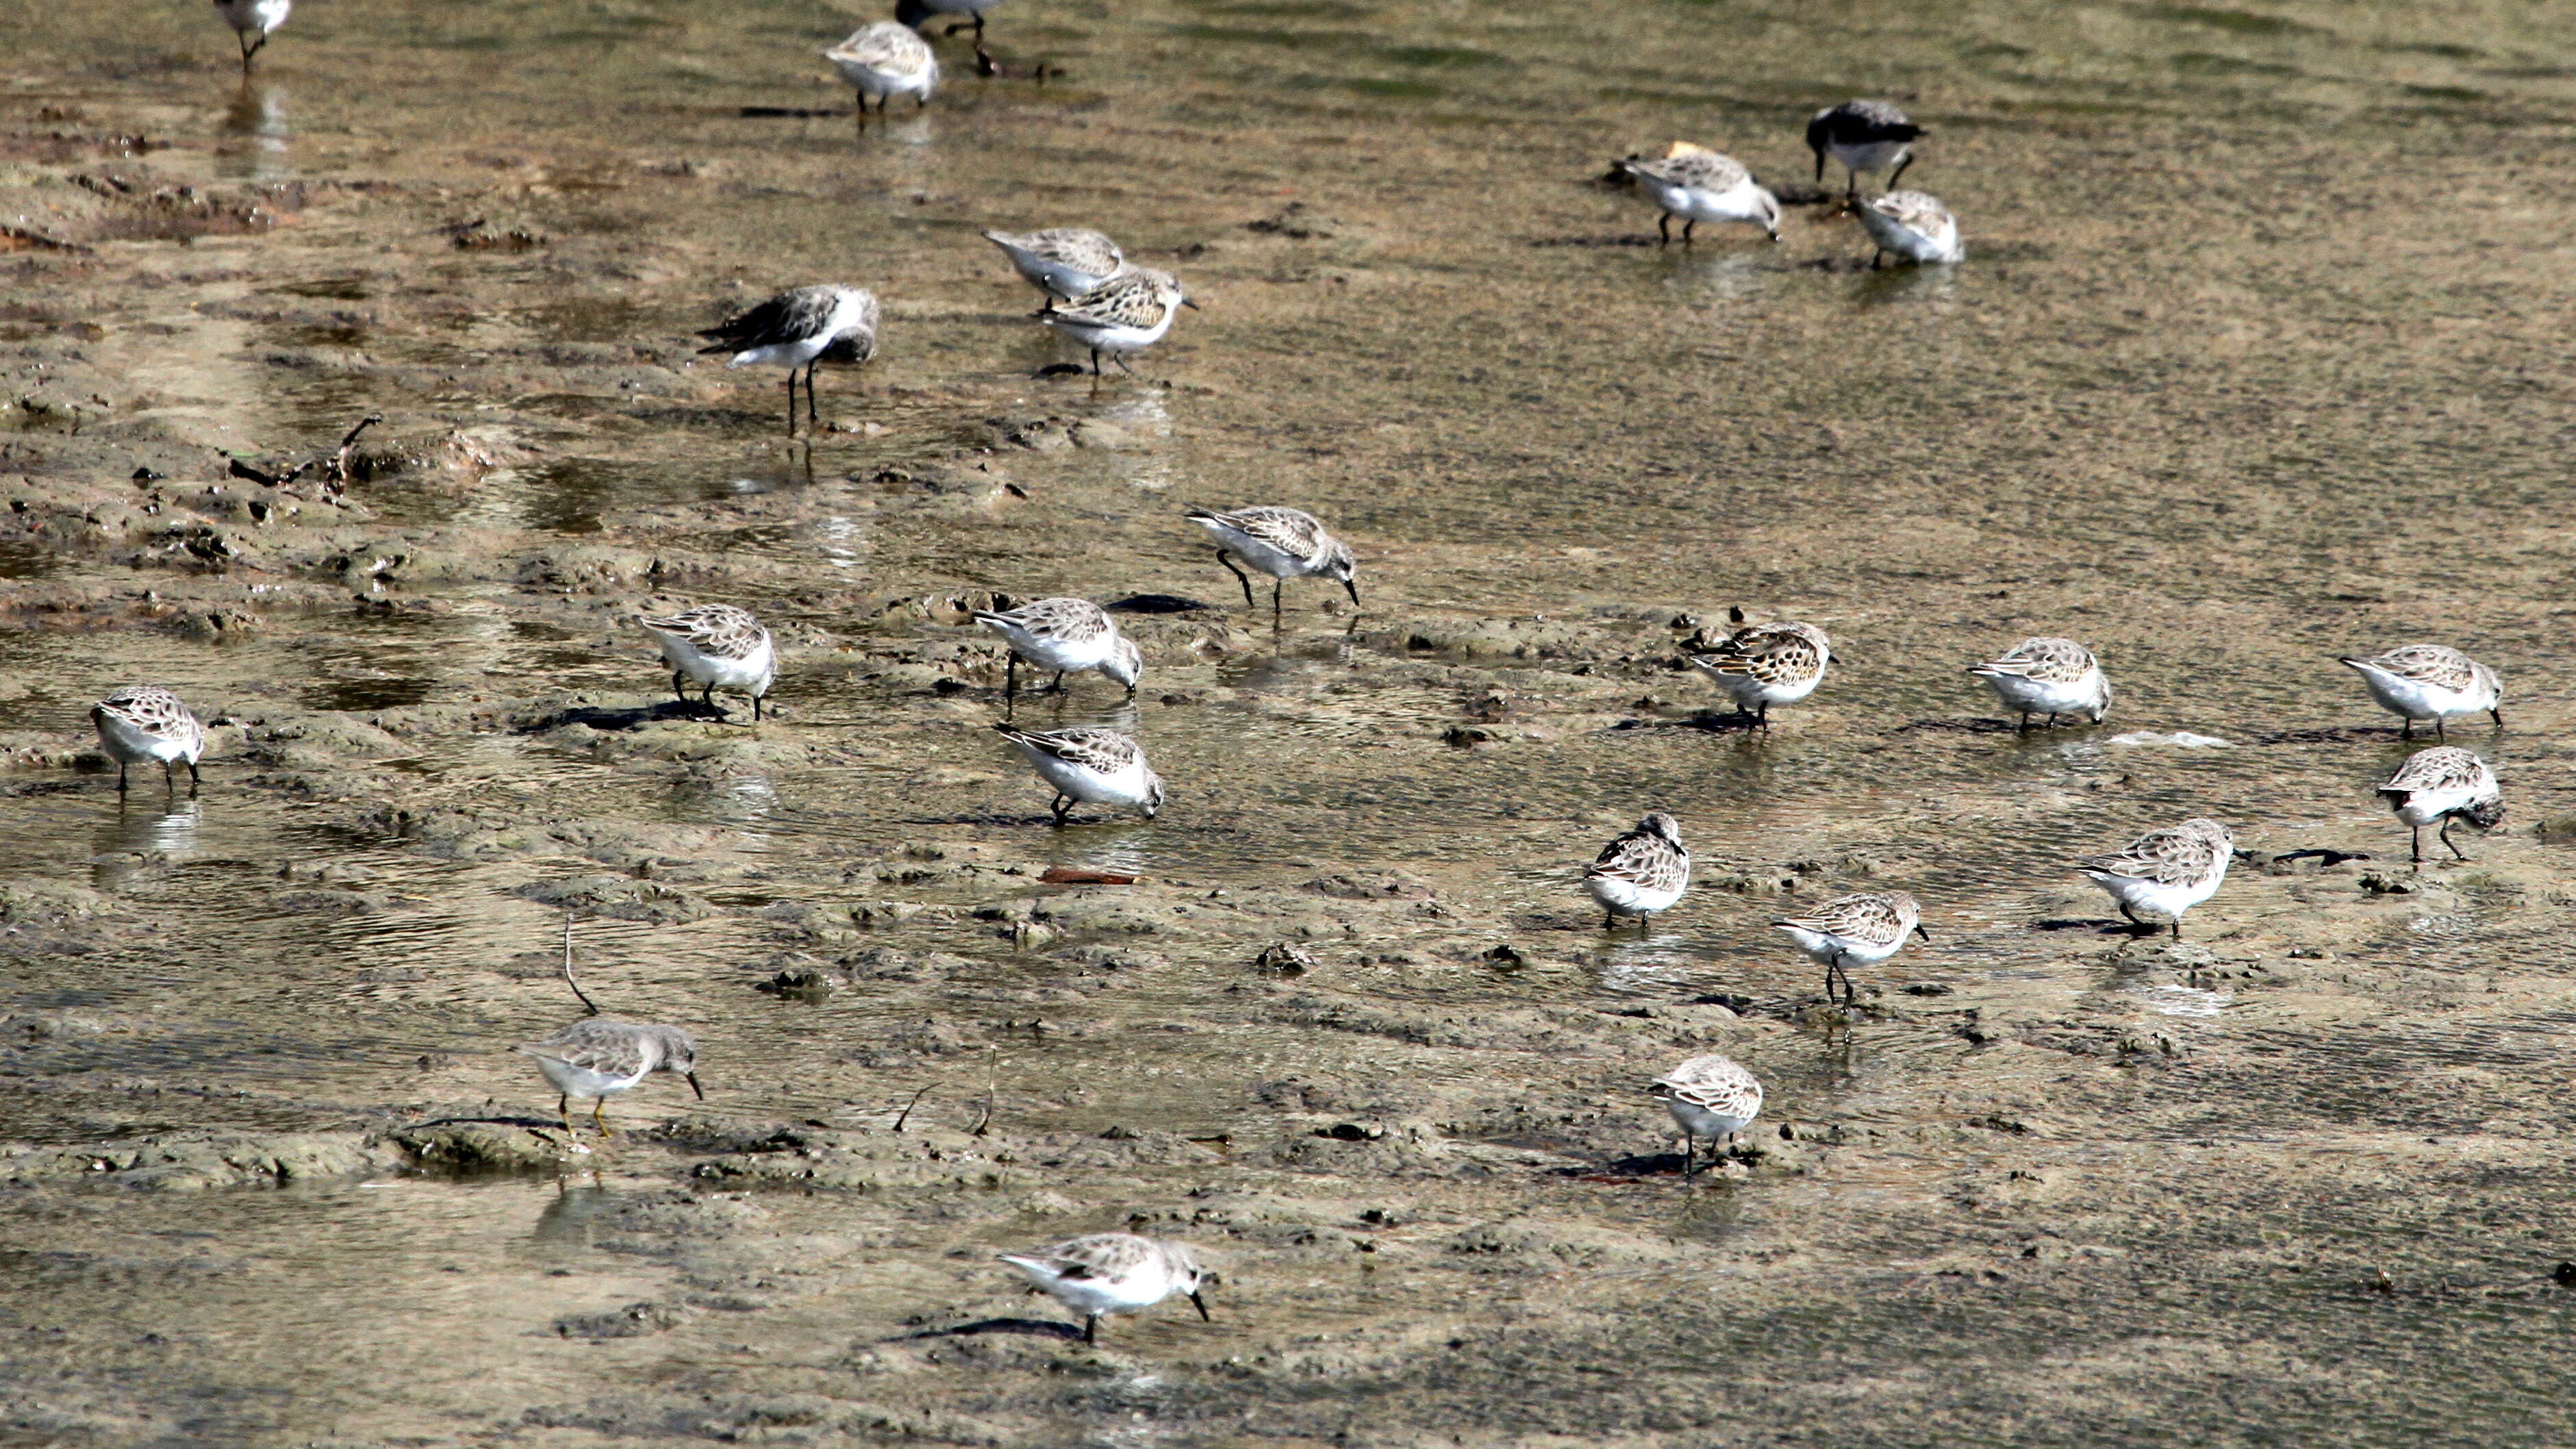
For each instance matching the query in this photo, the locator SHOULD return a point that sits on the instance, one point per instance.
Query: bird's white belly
(1691, 203)
(1277, 563)
(1826, 946)
(782, 354)
(1941, 245)
(750, 674)
(130, 746)
(1071, 656)
(575, 1081)
(254, 17)
(2416, 699)
(1628, 898)
(1751, 693)
(1701, 1122)
(2155, 897)
(1116, 337)
(2423, 807)
(2043, 697)
(1120, 787)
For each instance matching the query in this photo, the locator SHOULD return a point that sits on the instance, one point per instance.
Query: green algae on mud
(2245, 372)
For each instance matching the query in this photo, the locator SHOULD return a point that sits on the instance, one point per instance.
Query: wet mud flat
(274, 1175)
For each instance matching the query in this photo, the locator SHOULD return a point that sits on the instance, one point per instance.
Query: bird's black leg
(2025, 723)
(1091, 1328)
(2052, 718)
(2406, 730)
(1063, 807)
(1095, 362)
(1056, 685)
(1275, 586)
(791, 402)
(1690, 1146)
(563, 1109)
(755, 709)
(2419, 845)
(1121, 359)
(1876, 257)
(2445, 834)
(2439, 734)
(1664, 230)
(2131, 912)
(810, 415)
(169, 778)
(120, 779)
(193, 777)
(1239, 575)
(1010, 684)
(1687, 228)
(1898, 174)
(679, 686)
(1763, 717)
(2177, 928)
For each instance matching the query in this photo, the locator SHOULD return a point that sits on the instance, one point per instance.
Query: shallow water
(2255, 362)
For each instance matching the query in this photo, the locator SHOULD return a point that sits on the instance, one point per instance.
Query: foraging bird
(1109, 1273)
(144, 724)
(1094, 766)
(1913, 225)
(1713, 1096)
(1866, 928)
(1766, 664)
(800, 328)
(1641, 872)
(1285, 543)
(716, 646)
(2167, 871)
(1064, 262)
(883, 61)
(252, 20)
(2048, 676)
(1067, 636)
(2439, 784)
(2420, 681)
(1863, 136)
(1697, 184)
(594, 1057)
(1128, 313)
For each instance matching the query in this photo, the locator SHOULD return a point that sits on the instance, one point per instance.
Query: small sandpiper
(144, 724)
(2430, 681)
(252, 21)
(716, 646)
(1697, 184)
(2166, 871)
(1863, 136)
(1067, 636)
(1090, 766)
(800, 328)
(883, 61)
(1761, 665)
(2441, 784)
(1641, 872)
(1064, 262)
(1113, 1273)
(1714, 1096)
(1864, 929)
(2048, 676)
(595, 1057)
(1285, 543)
(1913, 225)
(1128, 313)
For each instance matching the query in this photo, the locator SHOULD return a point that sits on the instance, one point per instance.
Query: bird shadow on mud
(1027, 1327)
(1974, 725)
(1706, 722)
(601, 718)
(2097, 926)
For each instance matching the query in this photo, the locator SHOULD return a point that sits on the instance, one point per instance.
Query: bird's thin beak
(1354, 586)
(1186, 302)
(694, 1087)
(1202, 1303)
(1926, 935)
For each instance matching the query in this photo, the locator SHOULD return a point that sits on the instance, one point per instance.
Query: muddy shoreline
(2257, 360)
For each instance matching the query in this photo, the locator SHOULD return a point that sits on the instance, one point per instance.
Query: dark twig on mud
(906, 1114)
(985, 1123)
(567, 968)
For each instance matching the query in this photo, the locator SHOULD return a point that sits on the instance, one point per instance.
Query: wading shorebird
(2441, 784)
(1713, 1097)
(1285, 543)
(2048, 676)
(883, 61)
(2166, 871)
(595, 1057)
(2430, 681)
(1642, 872)
(1697, 184)
(1067, 636)
(716, 646)
(1128, 313)
(1863, 136)
(1913, 225)
(1064, 262)
(1090, 766)
(1113, 1273)
(1761, 665)
(1862, 929)
(800, 328)
(144, 724)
